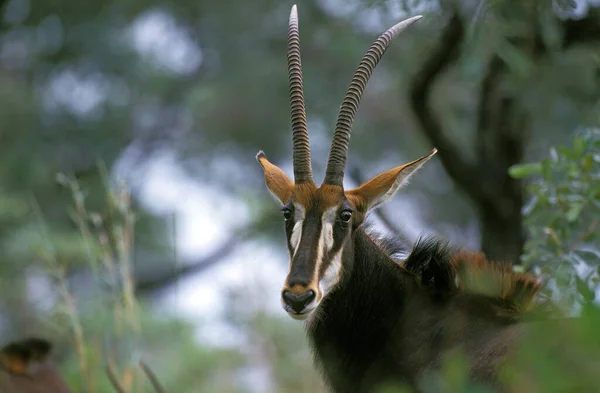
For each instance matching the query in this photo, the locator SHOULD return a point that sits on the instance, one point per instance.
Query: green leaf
(579, 146)
(588, 161)
(566, 152)
(520, 171)
(574, 211)
(584, 289)
(550, 29)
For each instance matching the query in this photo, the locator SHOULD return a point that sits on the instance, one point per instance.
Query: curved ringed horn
(302, 167)
(341, 138)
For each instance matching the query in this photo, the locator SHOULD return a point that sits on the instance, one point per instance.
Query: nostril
(298, 302)
(309, 297)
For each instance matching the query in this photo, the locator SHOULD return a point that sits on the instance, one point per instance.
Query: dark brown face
(318, 225)
(318, 222)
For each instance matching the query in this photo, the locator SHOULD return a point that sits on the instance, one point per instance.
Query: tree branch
(160, 281)
(158, 388)
(489, 113)
(459, 169)
(112, 377)
(487, 109)
(165, 277)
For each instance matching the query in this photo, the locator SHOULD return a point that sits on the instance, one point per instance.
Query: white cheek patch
(332, 274)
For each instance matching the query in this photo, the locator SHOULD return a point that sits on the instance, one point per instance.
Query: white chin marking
(299, 317)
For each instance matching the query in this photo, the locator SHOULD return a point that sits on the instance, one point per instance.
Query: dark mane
(446, 271)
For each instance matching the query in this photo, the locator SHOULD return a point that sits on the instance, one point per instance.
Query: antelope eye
(287, 214)
(346, 215)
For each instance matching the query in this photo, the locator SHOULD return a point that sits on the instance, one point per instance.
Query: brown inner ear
(379, 185)
(374, 191)
(277, 181)
(363, 196)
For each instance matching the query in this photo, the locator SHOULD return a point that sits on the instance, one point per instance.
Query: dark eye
(287, 214)
(346, 215)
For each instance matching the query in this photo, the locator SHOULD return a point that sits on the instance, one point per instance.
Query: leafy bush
(562, 218)
(562, 221)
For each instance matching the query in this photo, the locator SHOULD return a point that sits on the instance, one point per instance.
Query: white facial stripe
(328, 219)
(299, 214)
(319, 257)
(327, 235)
(296, 235)
(325, 245)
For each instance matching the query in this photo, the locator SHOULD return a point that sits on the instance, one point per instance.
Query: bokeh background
(134, 220)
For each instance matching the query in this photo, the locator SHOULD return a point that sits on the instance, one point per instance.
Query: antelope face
(319, 222)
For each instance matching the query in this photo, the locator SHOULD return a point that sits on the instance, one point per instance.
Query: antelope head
(320, 221)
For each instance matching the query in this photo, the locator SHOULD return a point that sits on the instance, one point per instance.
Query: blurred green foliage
(83, 82)
(562, 355)
(563, 216)
(106, 325)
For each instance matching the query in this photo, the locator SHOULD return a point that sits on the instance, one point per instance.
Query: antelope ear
(278, 183)
(382, 187)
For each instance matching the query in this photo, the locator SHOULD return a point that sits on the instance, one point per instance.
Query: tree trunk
(502, 238)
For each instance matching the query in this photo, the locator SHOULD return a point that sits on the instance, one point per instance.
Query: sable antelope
(373, 320)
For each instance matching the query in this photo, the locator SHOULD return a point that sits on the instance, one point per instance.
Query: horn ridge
(301, 149)
(336, 163)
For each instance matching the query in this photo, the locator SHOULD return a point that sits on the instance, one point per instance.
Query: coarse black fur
(388, 322)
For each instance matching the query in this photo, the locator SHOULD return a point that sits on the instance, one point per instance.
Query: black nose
(298, 302)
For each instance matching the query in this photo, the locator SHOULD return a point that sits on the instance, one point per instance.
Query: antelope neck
(353, 325)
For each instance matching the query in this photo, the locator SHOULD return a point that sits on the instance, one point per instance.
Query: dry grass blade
(110, 372)
(152, 377)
